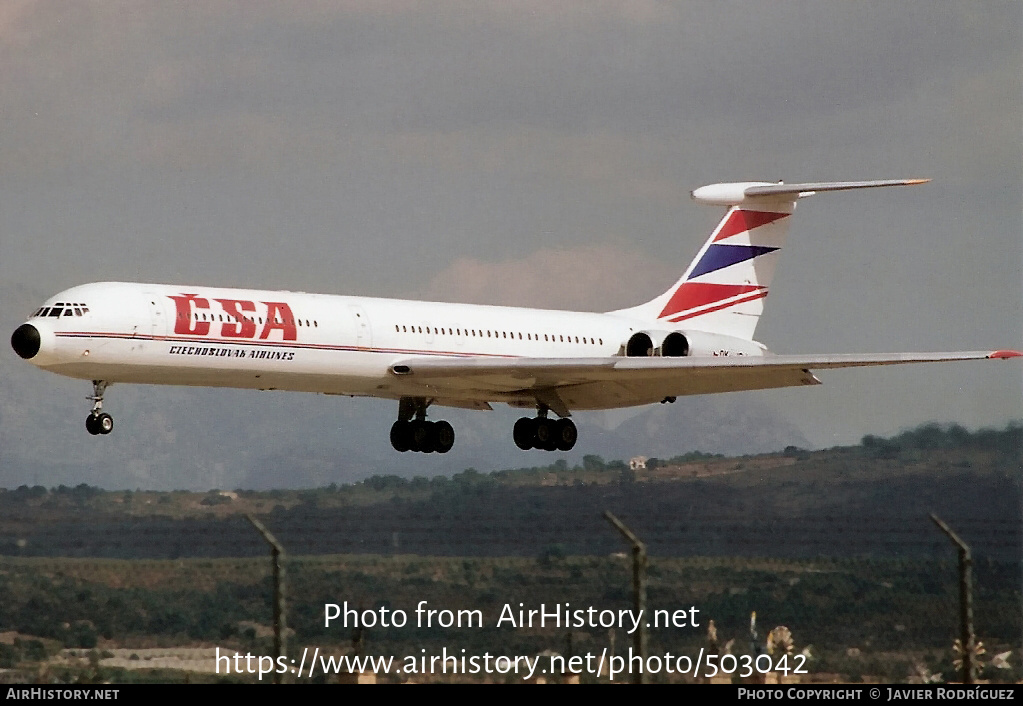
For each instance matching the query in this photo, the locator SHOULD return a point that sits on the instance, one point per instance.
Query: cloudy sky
(537, 154)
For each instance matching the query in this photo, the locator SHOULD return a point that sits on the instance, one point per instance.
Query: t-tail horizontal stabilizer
(745, 192)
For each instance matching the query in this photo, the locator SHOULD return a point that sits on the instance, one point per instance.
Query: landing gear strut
(543, 433)
(98, 421)
(412, 432)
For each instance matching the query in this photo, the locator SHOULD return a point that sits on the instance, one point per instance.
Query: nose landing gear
(98, 421)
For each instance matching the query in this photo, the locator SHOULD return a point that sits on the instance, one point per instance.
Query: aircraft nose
(26, 341)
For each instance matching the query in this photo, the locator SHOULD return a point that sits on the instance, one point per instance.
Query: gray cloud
(589, 278)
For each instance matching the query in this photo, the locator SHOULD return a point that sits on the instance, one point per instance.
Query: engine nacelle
(677, 344)
(660, 343)
(643, 343)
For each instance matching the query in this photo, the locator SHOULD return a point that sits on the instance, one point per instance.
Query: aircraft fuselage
(278, 340)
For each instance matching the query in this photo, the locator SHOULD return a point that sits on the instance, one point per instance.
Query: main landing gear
(545, 434)
(412, 432)
(98, 421)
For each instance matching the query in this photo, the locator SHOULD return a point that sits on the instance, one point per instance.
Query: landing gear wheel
(443, 437)
(422, 437)
(401, 436)
(105, 423)
(565, 434)
(524, 432)
(98, 422)
(413, 433)
(545, 434)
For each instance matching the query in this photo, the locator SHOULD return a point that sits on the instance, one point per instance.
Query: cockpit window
(62, 309)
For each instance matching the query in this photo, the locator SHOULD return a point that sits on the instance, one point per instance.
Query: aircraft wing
(586, 383)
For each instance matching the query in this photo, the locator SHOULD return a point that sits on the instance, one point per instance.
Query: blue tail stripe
(719, 257)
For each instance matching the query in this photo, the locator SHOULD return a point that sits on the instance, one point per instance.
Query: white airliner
(696, 338)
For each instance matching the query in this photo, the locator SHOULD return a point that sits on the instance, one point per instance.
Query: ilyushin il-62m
(695, 338)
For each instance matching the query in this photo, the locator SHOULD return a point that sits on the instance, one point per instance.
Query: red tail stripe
(693, 294)
(740, 221)
(759, 295)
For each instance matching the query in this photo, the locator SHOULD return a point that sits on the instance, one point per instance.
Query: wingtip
(1005, 354)
(912, 182)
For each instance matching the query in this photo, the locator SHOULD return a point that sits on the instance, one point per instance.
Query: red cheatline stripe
(741, 221)
(758, 295)
(693, 294)
(279, 344)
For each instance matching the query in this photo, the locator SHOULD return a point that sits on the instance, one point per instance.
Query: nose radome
(25, 341)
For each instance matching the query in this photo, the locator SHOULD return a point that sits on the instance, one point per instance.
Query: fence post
(966, 637)
(280, 620)
(638, 592)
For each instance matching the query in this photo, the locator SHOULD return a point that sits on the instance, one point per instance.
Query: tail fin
(723, 289)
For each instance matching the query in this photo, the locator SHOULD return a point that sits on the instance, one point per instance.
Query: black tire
(545, 434)
(422, 437)
(524, 433)
(105, 423)
(401, 436)
(90, 425)
(566, 434)
(443, 437)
